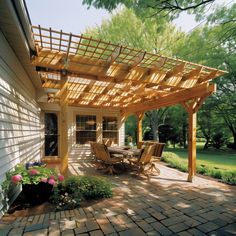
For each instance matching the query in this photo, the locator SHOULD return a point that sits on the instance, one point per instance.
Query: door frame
(58, 135)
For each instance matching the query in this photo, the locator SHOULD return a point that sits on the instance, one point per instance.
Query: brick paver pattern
(165, 205)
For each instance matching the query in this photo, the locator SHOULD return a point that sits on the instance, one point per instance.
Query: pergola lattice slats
(135, 76)
(82, 71)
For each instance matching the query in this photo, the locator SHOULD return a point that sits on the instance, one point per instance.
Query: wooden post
(192, 107)
(64, 124)
(139, 127)
(192, 116)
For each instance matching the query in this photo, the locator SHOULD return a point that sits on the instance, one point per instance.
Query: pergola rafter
(144, 76)
(81, 71)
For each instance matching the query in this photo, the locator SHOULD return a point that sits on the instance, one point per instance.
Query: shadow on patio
(165, 205)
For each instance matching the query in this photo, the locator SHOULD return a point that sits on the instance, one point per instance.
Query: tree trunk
(234, 146)
(206, 143)
(184, 135)
(155, 131)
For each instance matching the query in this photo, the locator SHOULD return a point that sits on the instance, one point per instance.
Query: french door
(51, 134)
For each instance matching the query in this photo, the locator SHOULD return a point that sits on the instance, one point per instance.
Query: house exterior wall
(83, 151)
(77, 151)
(20, 139)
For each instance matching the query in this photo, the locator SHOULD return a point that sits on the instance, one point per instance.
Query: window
(85, 129)
(51, 134)
(110, 131)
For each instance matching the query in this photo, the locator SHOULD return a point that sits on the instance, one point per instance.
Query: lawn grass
(224, 160)
(217, 164)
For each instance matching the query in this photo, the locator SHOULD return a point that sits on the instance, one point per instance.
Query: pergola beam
(173, 99)
(137, 60)
(115, 54)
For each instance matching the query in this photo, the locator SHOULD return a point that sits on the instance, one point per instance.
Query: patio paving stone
(196, 232)
(16, 231)
(68, 232)
(41, 232)
(208, 227)
(36, 227)
(150, 220)
(67, 224)
(134, 231)
(96, 233)
(184, 233)
(145, 226)
(80, 229)
(55, 233)
(5, 229)
(179, 227)
(165, 205)
(91, 225)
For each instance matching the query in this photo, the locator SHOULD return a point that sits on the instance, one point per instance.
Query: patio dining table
(124, 151)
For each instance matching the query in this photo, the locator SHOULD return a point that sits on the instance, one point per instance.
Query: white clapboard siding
(122, 134)
(20, 127)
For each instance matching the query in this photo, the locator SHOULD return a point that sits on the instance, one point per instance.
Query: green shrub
(169, 155)
(174, 161)
(69, 194)
(94, 187)
(229, 177)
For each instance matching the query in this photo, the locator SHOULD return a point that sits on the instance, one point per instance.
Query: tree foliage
(212, 44)
(126, 28)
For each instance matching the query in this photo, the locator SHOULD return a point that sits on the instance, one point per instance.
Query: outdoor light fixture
(63, 71)
(90, 122)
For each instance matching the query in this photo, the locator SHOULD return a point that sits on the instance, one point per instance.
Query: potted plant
(37, 181)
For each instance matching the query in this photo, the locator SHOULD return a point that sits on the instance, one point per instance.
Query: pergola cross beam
(108, 75)
(173, 99)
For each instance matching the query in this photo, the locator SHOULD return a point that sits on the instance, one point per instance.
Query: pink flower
(52, 181)
(61, 178)
(33, 172)
(45, 180)
(52, 177)
(16, 178)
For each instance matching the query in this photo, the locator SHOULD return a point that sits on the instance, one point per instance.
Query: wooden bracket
(139, 115)
(194, 105)
(115, 54)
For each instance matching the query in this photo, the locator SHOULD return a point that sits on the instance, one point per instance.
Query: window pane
(51, 135)
(85, 129)
(110, 129)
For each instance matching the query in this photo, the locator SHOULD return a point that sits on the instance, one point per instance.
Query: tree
(205, 46)
(127, 29)
(165, 7)
(208, 121)
(223, 14)
(156, 119)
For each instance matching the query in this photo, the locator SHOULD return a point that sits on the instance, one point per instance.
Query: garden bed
(44, 190)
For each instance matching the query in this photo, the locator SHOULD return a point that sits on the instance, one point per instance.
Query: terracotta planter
(36, 194)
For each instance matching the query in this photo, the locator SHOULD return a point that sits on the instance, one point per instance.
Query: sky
(75, 17)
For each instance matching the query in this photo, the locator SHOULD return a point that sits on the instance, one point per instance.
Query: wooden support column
(192, 116)
(139, 127)
(192, 107)
(64, 124)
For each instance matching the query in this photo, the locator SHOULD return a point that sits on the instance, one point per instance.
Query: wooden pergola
(81, 71)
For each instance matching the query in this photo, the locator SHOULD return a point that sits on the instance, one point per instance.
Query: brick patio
(165, 205)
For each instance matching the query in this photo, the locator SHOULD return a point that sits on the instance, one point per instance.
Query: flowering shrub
(30, 174)
(68, 195)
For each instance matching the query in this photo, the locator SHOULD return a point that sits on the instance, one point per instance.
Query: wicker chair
(144, 164)
(104, 159)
